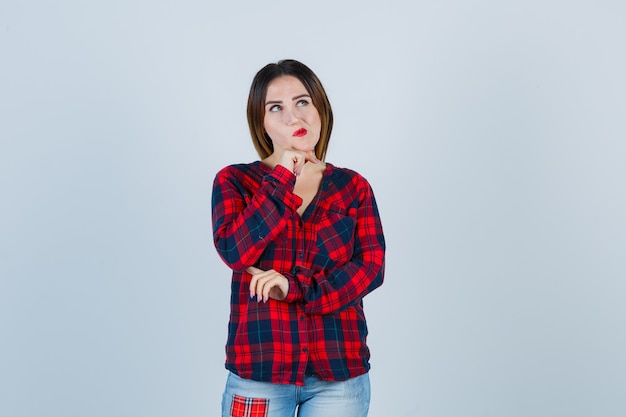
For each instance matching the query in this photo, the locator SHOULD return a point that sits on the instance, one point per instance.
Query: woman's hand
(267, 284)
(294, 160)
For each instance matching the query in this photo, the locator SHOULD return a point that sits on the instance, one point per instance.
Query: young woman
(305, 243)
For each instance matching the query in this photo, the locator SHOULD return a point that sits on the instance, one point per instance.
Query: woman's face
(291, 120)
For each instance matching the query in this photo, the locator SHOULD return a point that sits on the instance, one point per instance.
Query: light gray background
(493, 133)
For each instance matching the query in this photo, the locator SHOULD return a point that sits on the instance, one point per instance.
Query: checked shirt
(332, 256)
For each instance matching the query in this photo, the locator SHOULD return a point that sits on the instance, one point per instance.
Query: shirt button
(305, 349)
(300, 255)
(301, 318)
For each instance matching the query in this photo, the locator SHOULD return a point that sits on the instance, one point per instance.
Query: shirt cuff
(299, 281)
(284, 182)
(294, 293)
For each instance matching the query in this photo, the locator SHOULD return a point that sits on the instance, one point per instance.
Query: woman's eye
(302, 103)
(275, 107)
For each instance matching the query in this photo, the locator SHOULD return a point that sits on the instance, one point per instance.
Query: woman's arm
(331, 290)
(244, 225)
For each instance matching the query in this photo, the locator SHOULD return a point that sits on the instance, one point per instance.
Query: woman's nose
(290, 117)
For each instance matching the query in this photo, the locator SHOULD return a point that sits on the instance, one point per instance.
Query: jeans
(317, 398)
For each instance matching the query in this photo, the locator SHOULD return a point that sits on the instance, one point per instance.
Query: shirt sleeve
(332, 290)
(244, 223)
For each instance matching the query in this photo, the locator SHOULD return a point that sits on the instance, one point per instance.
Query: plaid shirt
(332, 256)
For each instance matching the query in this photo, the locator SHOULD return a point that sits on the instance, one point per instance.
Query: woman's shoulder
(345, 175)
(246, 175)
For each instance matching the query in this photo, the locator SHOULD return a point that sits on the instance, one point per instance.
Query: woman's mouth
(299, 133)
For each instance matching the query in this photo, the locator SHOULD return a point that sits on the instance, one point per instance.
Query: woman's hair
(256, 104)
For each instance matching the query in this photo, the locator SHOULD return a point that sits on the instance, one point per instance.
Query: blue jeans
(317, 398)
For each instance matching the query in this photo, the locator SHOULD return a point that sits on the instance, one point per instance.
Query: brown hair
(256, 104)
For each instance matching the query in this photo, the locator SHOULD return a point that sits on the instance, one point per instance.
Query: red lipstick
(300, 132)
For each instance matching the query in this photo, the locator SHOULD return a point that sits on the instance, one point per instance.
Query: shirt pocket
(335, 236)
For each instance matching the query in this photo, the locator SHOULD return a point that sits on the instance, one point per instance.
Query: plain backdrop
(493, 133)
